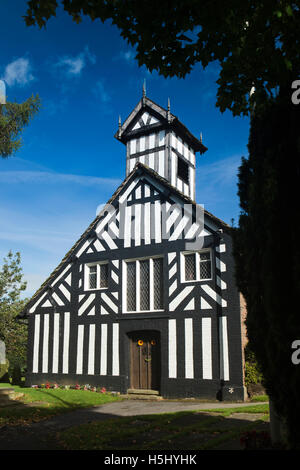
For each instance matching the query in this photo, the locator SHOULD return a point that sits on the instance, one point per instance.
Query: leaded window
(144, 285)
(197, 266)
(158, 283)
(190, 267)
(97, 276)
(92, 277)
(205, 265)
(131, 286)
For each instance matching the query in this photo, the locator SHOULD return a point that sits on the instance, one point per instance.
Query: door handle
(148, 359)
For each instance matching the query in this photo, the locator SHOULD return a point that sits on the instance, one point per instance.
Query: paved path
(41, 435)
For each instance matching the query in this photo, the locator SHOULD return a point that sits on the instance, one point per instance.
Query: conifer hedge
(267, 251)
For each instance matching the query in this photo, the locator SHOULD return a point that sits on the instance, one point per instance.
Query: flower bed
(88, 387)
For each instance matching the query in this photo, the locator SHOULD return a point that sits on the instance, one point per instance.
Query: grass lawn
(190, 430)
(38, 404)
(259, 398)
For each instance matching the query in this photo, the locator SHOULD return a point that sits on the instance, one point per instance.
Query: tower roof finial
(168, 112)
(201, 137)
(144, 92)
(120, 124)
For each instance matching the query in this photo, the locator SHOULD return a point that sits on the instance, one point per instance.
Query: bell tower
(156, 138)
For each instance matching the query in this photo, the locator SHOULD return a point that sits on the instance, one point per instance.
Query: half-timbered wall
(78, 334)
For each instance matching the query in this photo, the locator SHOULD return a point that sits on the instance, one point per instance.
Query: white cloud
(101, 92)
(44, 177)
(2, 92)
(18, 72)
(216, 187)
(73, 65)
(222, 172)
(128, 56)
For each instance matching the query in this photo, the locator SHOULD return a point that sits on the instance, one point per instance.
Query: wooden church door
(145, 360)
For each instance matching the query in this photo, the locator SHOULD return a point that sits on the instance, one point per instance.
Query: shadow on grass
(46, 404)
(42, 435)
(93, 429)
(179, 431)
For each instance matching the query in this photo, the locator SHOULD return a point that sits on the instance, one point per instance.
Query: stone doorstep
(140, 391)
(140, 394)
(134, 396)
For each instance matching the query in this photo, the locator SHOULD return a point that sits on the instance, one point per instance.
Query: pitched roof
(167, 120)
(139, 169)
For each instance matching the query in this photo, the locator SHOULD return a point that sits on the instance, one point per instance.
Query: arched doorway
(145, 360)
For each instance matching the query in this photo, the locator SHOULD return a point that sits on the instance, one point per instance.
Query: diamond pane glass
(190, 267)
(92, 277)
(144, 285)
(103, 275)
(205, 269)
(131, 287)
(205, 256)
(158, 283)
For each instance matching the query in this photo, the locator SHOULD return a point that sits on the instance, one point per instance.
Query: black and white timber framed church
(146, 298)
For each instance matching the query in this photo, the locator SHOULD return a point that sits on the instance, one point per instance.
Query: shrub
(16, 375)
(4, 376)
(253, 374)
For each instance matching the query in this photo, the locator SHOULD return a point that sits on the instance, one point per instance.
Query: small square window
(97, 276)
(182, 170)
(197, 266)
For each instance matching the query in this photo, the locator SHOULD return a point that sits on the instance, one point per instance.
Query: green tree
(13, 118)
(255, 42)
(267, 252)
(13, 333)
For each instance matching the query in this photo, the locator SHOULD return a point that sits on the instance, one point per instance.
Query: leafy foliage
(12, 333)
(13, 118)
(16, 375)
(267, 251)
(253, 374)
(255, 42)
(4, 371)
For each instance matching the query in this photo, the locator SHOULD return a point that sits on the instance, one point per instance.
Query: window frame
(137, 274)
(87, 275)
(197, 262)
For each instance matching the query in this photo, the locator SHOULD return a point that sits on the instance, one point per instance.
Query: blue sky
(70, 163)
